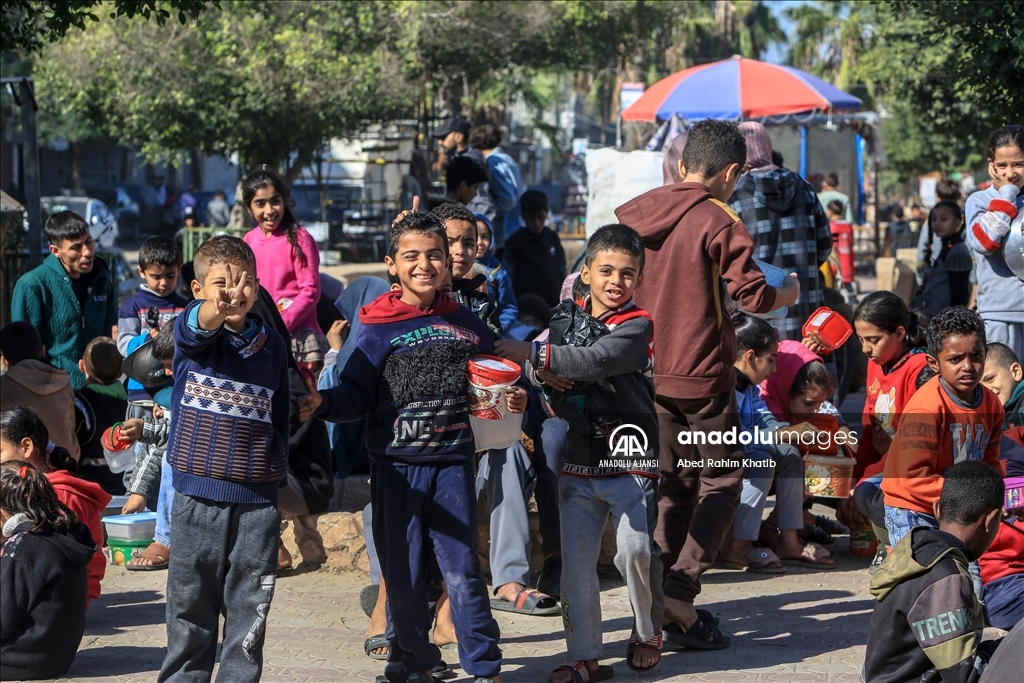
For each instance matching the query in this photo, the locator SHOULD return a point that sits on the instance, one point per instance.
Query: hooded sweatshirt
(43, 593)
(928, 622)
(45, 390)
(790, 231)
(775, 390)
(499, 282)
(1000, 287)
(1015, 408)
(692, 242)
(87, 500)
(408, 375)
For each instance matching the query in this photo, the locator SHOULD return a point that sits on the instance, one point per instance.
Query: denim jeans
(164, 502)
(899, 522)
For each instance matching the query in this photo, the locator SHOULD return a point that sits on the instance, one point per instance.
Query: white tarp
(613, 178)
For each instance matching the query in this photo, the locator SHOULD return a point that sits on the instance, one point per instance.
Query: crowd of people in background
(245, 381)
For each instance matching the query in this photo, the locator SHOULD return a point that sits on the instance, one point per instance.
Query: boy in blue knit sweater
(228, 449)
(408, 375)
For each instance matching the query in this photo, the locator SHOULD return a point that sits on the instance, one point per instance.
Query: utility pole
(25, 98)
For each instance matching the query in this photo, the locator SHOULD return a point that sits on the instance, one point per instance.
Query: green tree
(28, 25)
(267, 80)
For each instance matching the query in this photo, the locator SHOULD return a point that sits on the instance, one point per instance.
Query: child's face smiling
(960, 364)
(223, 276)
(267, 207)
(1002, 381)
(943, 222)
(419, 266)
(613, 276)
(1008, 166)
(461, 246)
(161, 279)
(483, 239)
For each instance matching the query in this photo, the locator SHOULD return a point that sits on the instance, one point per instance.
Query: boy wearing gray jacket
(598, 364)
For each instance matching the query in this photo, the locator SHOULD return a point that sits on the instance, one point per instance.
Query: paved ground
(804, 626)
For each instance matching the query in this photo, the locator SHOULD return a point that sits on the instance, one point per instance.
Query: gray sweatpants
(789, 491)
(632, 502)
(223, 559)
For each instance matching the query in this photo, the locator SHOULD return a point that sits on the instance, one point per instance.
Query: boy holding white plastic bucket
(611, 464)
(408, 375)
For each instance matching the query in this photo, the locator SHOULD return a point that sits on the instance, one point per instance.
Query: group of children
(226, 451)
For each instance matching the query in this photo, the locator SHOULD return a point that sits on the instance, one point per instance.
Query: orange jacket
(936, 432)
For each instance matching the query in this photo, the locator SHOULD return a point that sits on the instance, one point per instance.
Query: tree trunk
(303, 160)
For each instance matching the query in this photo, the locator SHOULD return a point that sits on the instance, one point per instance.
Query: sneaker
(550, 580)
(880, 556)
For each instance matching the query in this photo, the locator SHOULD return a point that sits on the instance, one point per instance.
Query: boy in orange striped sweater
(949, 420)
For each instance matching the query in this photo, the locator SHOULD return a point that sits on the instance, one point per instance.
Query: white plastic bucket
(492, 423)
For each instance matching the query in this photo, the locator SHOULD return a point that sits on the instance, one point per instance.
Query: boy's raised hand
(309, 404)
(229, 298)
(517, 400)
(415, 207)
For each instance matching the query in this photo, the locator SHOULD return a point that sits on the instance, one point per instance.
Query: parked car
(102, 223)
(126, 278)
(125, 209)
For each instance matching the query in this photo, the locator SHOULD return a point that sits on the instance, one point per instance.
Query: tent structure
(737, 89)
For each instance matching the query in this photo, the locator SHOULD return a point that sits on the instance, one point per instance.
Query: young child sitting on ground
(23, 436)
(33, 383)
(408, 373)
(892, 337)
(100, 404)
(795, 393)
(229, 452)
(758, 345)
(927, 623)
(43, 576)
(597, 482)
(1004, 376)
(949, 420)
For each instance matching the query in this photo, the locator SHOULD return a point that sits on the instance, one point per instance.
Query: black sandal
(698, 637)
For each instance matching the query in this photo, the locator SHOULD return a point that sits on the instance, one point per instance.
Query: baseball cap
(452, 124)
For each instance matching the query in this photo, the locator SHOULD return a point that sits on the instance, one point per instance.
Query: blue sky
(777, 53)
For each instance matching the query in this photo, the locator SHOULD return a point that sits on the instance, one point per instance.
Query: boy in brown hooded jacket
(694, 242)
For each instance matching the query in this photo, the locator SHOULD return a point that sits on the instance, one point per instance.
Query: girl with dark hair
(947, 278)
(23, 436)
(287, 262)
(757, 345)
(892, 337)
(995, 232)
(43, 576)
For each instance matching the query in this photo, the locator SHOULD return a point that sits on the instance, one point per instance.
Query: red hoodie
(87, 500)
(692, 243)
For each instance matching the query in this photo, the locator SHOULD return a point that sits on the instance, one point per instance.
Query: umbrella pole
(803, 152)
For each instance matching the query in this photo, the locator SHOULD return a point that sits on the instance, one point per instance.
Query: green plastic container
(121, 552)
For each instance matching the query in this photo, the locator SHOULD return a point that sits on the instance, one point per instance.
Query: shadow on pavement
(111, 614)
(104, 663)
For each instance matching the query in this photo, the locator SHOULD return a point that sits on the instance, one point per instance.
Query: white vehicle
(102, 224)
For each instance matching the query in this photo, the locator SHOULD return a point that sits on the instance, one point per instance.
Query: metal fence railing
(192, 238)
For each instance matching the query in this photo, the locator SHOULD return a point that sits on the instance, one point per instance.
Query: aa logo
(628, 441)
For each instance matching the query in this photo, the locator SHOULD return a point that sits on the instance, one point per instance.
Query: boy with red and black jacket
(693, 241)
(408, 377)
